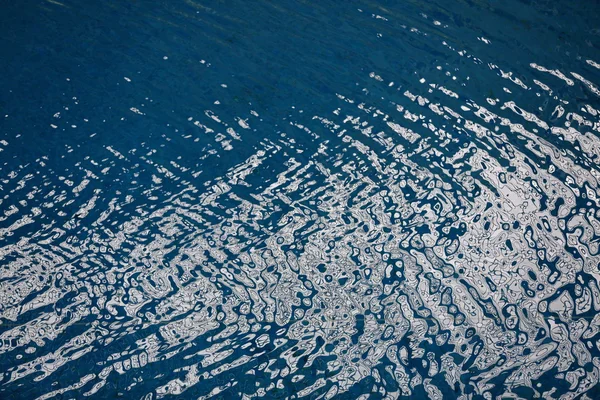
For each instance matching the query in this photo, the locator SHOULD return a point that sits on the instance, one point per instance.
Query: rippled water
(303, 200)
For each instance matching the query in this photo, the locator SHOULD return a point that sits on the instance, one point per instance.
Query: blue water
(299, 200)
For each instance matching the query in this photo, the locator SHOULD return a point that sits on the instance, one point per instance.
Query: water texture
(299, 200)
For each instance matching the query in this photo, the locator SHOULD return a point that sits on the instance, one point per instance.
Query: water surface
(299, 200)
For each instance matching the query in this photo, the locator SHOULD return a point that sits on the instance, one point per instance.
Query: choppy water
(303, 200)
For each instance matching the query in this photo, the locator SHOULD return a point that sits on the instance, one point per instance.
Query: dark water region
(299, 200)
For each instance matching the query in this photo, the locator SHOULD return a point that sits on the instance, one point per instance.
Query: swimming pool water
(299, 200)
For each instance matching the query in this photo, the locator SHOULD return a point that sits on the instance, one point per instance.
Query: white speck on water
(135, 110)
(243, 124)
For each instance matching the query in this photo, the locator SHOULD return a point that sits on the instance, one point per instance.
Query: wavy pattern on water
(394, 233)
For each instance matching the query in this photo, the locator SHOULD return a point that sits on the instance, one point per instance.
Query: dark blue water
(299, 200)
